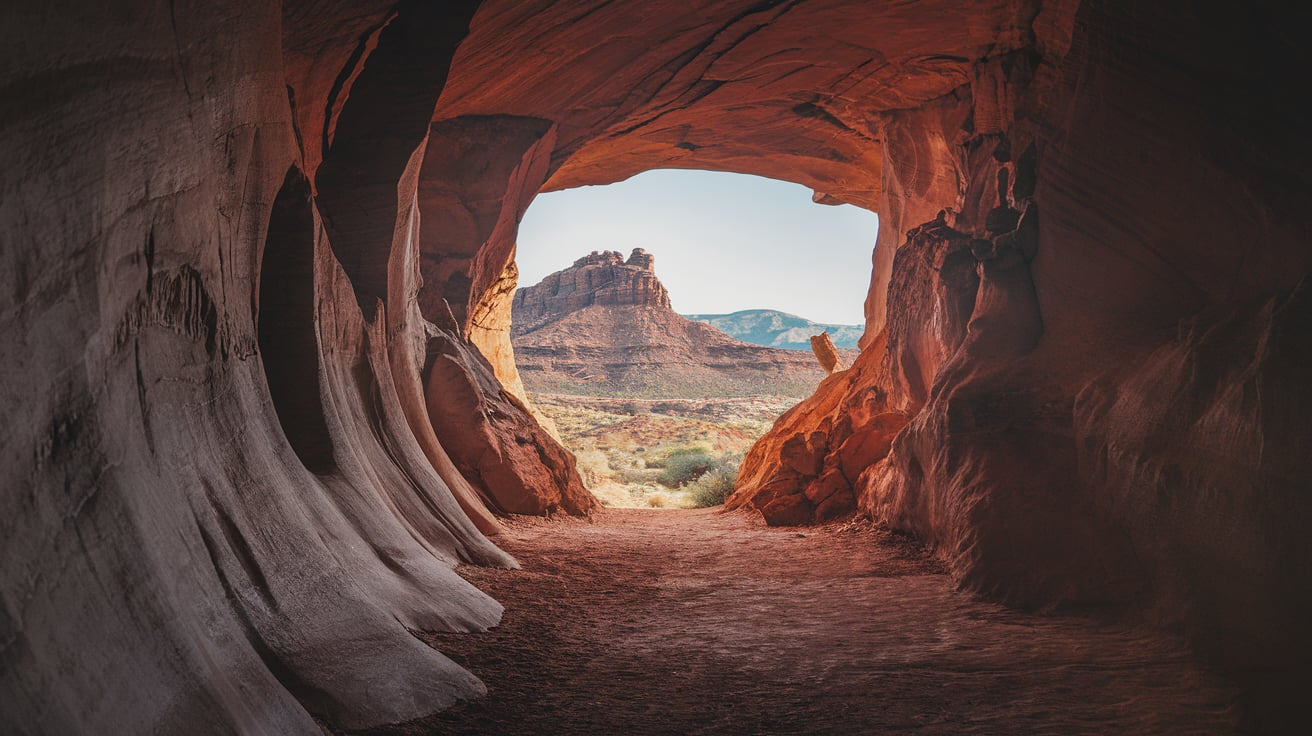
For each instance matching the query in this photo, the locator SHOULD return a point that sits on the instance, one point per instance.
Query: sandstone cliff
(605, 325)
(602, 279)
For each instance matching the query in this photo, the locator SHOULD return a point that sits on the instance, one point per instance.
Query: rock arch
(1092, 357)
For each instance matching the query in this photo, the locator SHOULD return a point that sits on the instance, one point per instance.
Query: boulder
(792, 510)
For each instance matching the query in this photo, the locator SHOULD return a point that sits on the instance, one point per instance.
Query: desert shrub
(659, 457)
(713, 487)
(685, 465)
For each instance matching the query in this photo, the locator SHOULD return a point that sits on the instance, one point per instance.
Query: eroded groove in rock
(169, 564)
(289, 346)
(381, 123)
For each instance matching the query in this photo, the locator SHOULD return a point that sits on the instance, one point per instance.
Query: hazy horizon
(786, 252)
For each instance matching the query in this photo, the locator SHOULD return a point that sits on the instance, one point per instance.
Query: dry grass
(622, 443)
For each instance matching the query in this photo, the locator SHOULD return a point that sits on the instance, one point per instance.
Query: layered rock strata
(605, 324)
(601, 279)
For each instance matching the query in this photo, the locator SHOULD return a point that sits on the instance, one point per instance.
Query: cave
(258, 263)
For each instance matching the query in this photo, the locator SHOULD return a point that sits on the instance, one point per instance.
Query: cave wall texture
(248, 252)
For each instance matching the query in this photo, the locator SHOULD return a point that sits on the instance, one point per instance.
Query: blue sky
(722, 242)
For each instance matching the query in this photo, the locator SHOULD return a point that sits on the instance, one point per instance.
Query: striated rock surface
(601, 279)
(605, 323)
(224, 504)
(494, 442)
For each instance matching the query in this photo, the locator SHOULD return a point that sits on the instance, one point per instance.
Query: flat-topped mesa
(607, 323)
(601, 278)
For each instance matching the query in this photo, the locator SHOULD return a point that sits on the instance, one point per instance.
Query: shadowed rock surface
(493, 441)
(226, 226)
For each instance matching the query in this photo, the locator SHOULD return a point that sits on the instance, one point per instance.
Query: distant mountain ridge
(775, 329)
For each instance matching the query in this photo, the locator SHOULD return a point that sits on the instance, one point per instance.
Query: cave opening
(1099, 409)
(663, 323)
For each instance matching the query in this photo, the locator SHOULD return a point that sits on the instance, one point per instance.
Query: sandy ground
(696, 622)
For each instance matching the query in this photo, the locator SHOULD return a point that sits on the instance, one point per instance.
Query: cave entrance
(663, 323)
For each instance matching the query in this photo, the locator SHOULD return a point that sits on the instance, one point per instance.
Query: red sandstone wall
(1112, 408)
(1096, 392)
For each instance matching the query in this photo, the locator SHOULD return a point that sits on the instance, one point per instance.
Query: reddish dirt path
(693, 622)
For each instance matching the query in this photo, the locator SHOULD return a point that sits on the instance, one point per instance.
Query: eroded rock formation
(600, 279)
(493, 440)
(825, 352)
(606, 323)
(1010, 404)
(225, 228)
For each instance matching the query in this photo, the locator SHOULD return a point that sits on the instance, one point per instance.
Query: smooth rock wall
(172, 563)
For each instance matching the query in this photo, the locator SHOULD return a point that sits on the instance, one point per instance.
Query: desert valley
(658, 408)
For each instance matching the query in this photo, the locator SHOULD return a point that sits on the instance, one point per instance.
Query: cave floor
(697, 622)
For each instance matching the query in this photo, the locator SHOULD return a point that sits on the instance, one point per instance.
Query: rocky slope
(777, 329)
(604, 325)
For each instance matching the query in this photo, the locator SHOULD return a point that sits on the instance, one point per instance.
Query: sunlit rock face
(600, 279)
(605, 323)
(226, 231)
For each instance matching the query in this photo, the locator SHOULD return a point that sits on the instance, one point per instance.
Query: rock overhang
(1105, 123)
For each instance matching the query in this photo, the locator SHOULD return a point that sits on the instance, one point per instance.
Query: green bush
(685, 465)
(713, 487)
(659, 457)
